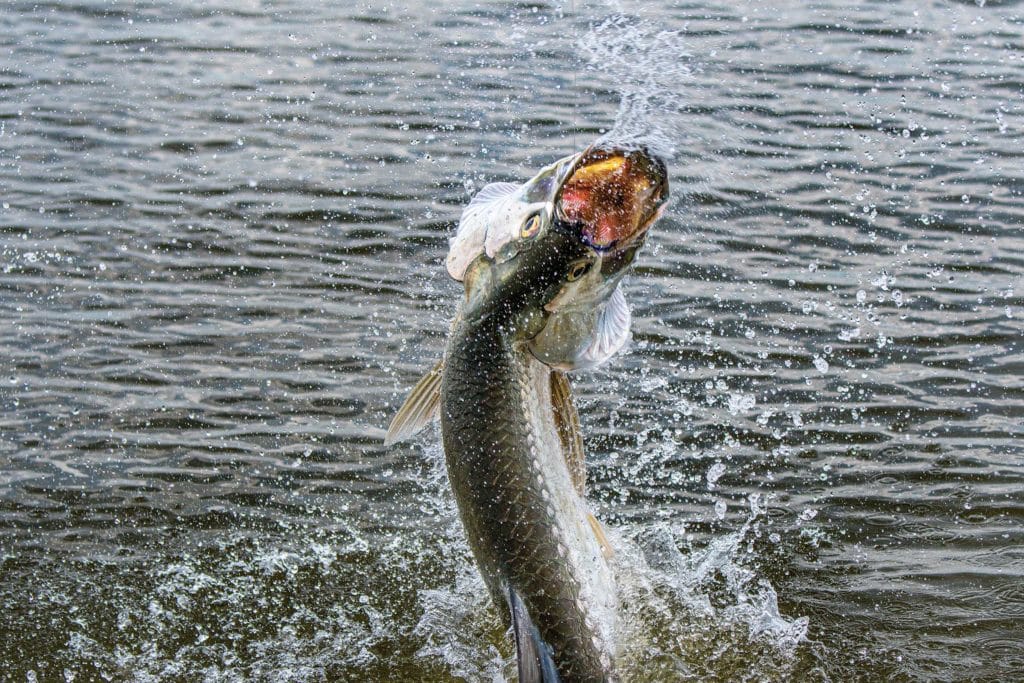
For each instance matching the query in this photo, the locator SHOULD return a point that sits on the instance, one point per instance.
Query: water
(648, 67)
(222, 235)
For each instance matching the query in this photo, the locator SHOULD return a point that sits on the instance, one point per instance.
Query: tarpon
(541, 263)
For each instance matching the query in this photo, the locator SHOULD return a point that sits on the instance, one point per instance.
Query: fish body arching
(525, 520)
(541, 265)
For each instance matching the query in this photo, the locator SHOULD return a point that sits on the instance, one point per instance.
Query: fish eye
(579, 269)
(531, 227)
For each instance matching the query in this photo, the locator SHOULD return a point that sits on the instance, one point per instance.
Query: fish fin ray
(612, 330)
(470, 238)
(420, 408)
(533, 656)
(492, 192)
(602, 540)
(567, 421)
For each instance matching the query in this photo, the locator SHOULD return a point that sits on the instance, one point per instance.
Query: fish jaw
(612, 196)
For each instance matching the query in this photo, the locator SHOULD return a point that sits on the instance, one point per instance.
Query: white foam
(698, 610)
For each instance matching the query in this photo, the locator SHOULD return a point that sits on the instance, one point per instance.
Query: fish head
(610, 195)
(566, 237)
(504, 219)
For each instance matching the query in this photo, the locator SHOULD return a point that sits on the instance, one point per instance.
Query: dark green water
(222, 236)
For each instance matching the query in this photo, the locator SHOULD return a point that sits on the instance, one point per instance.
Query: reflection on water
(221, 239)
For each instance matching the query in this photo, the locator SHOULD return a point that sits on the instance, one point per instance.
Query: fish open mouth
(612, 196)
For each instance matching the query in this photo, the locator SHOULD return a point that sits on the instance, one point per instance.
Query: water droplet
(715, 473)
(740, 403)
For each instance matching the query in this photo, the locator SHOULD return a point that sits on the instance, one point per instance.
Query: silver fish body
(525, 521)
(541, 264)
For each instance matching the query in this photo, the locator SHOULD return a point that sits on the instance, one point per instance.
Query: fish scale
(542, 298)
(515, 539)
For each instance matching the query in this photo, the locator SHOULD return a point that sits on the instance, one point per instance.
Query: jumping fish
(541, 263)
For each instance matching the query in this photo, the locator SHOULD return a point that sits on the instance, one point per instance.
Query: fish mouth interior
(612, 196)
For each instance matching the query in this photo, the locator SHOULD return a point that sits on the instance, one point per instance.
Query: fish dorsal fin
(533, 656)
(421, 407)
(471, 235)
(611, 332)
(567, 421)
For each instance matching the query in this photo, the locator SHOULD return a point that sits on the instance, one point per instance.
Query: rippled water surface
(222, 236)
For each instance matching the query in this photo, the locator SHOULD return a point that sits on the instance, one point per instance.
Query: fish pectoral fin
(567, 421)
(533, 656)
(421, 407)
(470, 239)
(611, 332)
(602, 540)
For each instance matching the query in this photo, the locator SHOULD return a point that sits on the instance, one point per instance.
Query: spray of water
(685, 613)
(649, 67)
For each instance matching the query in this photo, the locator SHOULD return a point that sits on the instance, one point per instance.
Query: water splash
(699, 613)
(686, 613)
(459, 628)
(231, 610)
(649, 67)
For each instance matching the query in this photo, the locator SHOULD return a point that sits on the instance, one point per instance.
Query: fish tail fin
(533, 656)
